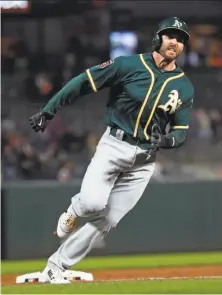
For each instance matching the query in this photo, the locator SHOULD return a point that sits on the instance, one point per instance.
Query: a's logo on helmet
(177, 24)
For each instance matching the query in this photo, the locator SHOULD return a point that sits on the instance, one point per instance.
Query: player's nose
(173, 40)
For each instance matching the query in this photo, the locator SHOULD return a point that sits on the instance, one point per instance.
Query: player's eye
(179, 38)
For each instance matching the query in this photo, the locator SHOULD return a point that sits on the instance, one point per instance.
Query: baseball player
(149, 94)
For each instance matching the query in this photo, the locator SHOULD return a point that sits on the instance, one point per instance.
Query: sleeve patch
(105, 64)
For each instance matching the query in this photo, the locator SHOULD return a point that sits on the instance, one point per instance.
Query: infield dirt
(131, 274)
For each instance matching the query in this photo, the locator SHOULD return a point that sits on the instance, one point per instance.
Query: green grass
(118, 262)
(207, 286)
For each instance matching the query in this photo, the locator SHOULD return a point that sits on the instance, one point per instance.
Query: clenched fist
(39, 121)
(156, 136)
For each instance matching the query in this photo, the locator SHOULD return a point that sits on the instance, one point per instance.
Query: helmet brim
(177, 29)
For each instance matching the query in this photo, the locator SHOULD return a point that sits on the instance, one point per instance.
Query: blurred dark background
(45, 43)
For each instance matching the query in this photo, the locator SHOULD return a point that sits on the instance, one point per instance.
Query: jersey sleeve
(75, 88)
(92, 80)
(106, 74)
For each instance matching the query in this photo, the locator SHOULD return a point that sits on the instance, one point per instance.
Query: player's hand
(39, 121)
(156, 137)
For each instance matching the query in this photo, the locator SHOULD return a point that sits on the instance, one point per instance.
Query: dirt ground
(124, 274)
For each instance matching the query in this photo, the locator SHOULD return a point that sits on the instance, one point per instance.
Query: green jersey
(141, 94)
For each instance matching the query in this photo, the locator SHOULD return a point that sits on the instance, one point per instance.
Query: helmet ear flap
(156, 42)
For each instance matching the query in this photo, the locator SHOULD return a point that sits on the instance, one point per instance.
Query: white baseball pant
(113, 183)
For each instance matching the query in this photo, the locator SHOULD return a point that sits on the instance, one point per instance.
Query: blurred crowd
(58, 153)
(43, 74)
(29, 80)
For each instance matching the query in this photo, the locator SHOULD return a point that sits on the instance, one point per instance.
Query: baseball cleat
(55, 276)
(66, 225)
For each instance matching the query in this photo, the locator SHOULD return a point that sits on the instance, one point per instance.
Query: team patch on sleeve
(106, 64)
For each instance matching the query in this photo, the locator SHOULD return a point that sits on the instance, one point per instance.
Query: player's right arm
(92, 80)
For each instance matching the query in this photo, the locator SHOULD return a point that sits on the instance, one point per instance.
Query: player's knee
(86, 205)
(92, 205)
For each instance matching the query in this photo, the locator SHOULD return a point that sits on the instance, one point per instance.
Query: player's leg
(127, 190)
(111, 158)
(79, 243)
(94, 178)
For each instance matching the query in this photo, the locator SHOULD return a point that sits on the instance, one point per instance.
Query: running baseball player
(149, 94)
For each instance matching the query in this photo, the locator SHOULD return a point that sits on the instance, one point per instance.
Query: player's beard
(167, 54)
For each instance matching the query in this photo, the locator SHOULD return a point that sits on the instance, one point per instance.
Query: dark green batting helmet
(166, 24)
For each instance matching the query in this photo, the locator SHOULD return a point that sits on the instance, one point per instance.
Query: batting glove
(156, 137)
(158, 140)
(39, 121)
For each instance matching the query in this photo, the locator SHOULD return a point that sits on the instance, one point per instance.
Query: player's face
(172, 44)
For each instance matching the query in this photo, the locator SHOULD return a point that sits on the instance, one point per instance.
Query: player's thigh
(127, 191)
(100, 176)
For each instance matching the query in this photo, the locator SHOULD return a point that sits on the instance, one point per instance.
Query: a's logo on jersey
(177, 24)
(172, 104)
(106, 63)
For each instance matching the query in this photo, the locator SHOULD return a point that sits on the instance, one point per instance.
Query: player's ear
(183, 48)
